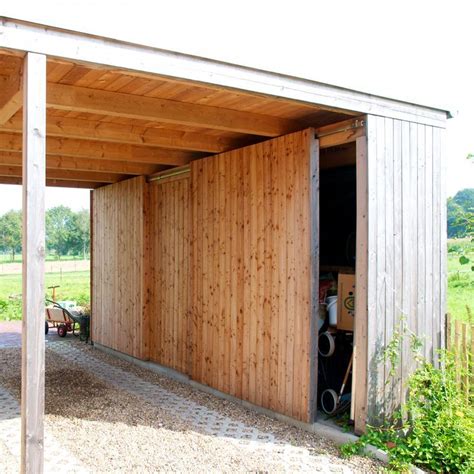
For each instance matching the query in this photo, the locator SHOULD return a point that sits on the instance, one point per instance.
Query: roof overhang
(117, 110)
(81, 47)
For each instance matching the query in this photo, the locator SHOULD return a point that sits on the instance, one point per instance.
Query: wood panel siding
(170, 220)
(251, 272)
(119, 272)
(406, 252)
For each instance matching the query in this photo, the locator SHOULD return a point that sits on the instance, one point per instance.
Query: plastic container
(331, 302)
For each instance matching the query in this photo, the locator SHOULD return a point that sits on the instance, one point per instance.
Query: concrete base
(323, 429)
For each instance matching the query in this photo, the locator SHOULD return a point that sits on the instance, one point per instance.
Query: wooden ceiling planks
(126, 123)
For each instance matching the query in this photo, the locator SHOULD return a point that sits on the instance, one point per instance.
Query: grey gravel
(111, 430)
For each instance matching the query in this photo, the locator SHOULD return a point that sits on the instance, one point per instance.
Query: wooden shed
(209, 181)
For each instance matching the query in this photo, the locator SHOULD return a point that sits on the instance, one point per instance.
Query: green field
(73, 286)
(460, 279)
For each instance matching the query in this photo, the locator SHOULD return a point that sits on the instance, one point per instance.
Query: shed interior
(203, 261)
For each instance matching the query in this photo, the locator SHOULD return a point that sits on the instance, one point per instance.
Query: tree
(465, 198)
(59, 226)
(80, 233)
(10, 232)
(461, 213)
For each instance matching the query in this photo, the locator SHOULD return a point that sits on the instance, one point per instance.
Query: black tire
(46, 327)
(62, 330)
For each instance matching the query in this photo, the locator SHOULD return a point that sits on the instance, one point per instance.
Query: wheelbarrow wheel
(46, 327)
(62, 330)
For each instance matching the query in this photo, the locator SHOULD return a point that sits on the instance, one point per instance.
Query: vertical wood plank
(240, 294)
(381, 306)
(429, 251)
(234, 232)
(267, 263)
(389, 383)
(372, 268)
(260, 341)
(275, 400)
(33, 249)
(359, 386)
(421, 234)
(412, 319)
(398, 276)
(246, 255)
(314, 271)
(146, 279)
(289, 284)
(438, 313)
(281, 339)
(443, 232)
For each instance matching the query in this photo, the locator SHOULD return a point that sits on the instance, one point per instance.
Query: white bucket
(331, 302)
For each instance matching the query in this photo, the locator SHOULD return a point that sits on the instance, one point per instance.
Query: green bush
(434, 430)
(10, 310)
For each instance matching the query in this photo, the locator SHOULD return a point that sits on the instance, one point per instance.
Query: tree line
(461, 214)
(67, 232)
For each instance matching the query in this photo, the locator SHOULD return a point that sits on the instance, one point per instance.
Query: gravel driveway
(106, 415)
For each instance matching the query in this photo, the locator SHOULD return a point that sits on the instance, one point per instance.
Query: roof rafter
(56, 182)
(130, 134)
(117, 104)
(84, 164)
(11, 96)
(103, 150)
(67, 175)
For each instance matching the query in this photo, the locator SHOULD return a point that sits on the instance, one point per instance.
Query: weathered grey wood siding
(406, 251)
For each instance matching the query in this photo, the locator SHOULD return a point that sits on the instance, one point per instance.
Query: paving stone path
(56, 458)
(206, 420)
(10, 334)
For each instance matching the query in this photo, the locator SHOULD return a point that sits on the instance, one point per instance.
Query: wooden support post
(34, 179)
(359, 374)
(91, 262)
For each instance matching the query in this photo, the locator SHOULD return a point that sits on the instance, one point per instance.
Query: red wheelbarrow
(61, 319)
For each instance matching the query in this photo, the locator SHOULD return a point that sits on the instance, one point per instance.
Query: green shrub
(10, 310)
(434, 430)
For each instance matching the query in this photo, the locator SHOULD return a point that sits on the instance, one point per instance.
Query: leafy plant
(10, 310)
(434, 429)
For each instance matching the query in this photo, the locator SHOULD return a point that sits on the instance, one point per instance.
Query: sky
(419, 51)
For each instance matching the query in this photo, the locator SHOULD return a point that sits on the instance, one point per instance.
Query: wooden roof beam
(129, 134)
(55, 182)
(84, 164)
(103, 150)
(116, 104)
(67, 175)
(11, 96)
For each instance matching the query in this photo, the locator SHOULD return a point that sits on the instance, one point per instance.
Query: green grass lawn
(73, 286)
(460, 279)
